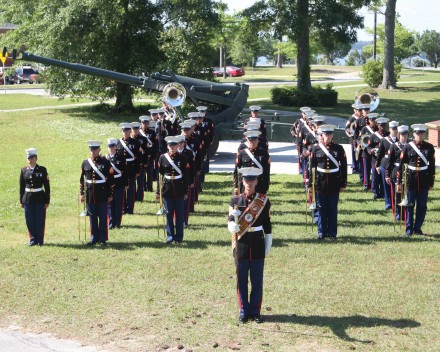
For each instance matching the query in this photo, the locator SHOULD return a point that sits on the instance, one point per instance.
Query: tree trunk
(279, 62)
(302, 40)
(389, 81)
(124, 98)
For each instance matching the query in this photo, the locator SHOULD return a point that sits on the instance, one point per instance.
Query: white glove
(233, 227)
(236, 213)
(267, 242)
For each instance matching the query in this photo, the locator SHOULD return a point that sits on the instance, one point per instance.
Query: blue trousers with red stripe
(35, 216)
(253, 268)
(98, 222)
(115, 207)
(418, 199)
(140, 180)
(131, 195)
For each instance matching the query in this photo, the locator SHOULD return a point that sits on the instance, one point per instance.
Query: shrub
(291, 96)
(372, 72)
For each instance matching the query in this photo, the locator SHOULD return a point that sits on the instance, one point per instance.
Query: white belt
(255, 229)
(387, 156)
(173, 177)
(129, 159)
(418, 168)
(396, 164)
(117, 176)
(33, 189)
(327, 171)
(95, 181)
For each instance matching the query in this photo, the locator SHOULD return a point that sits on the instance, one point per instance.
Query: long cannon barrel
(227, 100)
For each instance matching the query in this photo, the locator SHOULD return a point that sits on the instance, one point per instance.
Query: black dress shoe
(32, 243)
(419, 232)
(90, 243)
(258, 318)
(243, 319)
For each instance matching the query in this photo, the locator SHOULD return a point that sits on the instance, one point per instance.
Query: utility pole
(374, 34)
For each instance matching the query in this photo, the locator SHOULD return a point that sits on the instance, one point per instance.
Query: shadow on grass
(283, 242)
(133, 245)
(339, 325)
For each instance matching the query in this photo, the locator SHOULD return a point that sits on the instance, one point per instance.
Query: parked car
(231, 71)
(26, 74)
(10, 79)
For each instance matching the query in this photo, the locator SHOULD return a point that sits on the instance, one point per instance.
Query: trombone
(162, 211)
(405, 201)
(84, 214)
(311, 200)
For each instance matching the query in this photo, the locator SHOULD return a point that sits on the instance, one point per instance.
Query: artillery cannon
(225, 101)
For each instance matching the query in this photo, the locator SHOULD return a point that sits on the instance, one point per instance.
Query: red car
(231, 71)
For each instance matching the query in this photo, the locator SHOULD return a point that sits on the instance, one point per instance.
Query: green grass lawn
(372, 290)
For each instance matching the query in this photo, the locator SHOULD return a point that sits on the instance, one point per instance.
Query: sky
(416, 15)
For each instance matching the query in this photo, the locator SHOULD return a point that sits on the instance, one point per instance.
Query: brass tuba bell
(367, 96)
(174, 94)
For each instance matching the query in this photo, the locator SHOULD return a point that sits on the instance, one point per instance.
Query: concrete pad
(283, 157)
(14, 340)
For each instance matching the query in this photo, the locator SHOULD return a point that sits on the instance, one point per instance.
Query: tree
(429, 42)
(296, 19)
(119, 35)
(355, 58)
(190, 27)
(404, 40)
(389, 80)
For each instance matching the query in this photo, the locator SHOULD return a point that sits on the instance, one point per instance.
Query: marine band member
(34, 197)
(419, 156)
(96, 189)
(251, 229)
(329, 163)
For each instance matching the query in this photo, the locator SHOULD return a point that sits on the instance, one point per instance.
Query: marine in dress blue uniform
(295, 131)
(174, 170)
(151, 151)
(382, 156)
(143, 142)
(419, 156)
(34, 197)
(357, 113)
(370, 128)
(372, 149)
(251, 229)
(252, 156)
(329, 163)
(96, 189)
(130, 149)
(118, 164)
(185, 150)
(393, 162)
(208, 131)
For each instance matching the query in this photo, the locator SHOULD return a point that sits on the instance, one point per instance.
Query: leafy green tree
(404, 40)
(119, 35)
(299, 18)
(429, 42)
(355, 58)
(190, 27)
